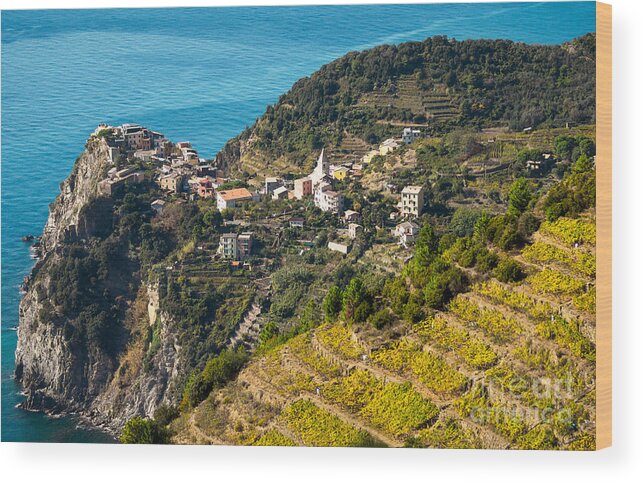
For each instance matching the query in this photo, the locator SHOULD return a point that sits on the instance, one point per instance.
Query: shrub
(164, 414)
(508, 270)
(486, 261)
(381, 319)
(140, 430)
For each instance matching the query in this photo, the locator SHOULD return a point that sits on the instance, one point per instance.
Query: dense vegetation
(488, 82)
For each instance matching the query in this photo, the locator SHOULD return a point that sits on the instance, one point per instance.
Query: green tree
(309, 318)
(219, 370)
(381, 319)
(464, 220)
(140, 430)
(480, 227)
(353, 297)
(564, 147)
(520, 195)
(582, 164)
(434, 292)
(426, 247)
(332, 303)
(213, 218)
(164, 414)
(508, 270)
(269, 331)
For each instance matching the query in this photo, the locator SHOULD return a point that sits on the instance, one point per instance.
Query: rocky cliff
(60, 371)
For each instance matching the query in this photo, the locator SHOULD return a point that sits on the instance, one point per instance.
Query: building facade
(412, 201)
(231, 198)
(173, 183)
(328, 200)
(303, 187)
(409, 135)
(271, 184)
(407, 232)
(235, 246)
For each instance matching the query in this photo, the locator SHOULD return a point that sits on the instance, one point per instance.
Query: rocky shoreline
(58, 376)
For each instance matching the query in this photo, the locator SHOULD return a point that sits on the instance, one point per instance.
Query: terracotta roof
(235, 194)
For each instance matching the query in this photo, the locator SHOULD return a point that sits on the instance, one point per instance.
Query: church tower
(322, 169)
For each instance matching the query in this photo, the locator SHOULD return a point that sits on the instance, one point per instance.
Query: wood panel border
(603, 225)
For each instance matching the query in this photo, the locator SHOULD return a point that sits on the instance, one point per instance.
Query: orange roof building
(230, 198)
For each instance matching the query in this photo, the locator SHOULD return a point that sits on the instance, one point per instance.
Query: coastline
(26, 220)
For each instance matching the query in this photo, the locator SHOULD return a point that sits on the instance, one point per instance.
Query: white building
(409, 135)
(328, 200)
(280, 193)
(322, 169)
(271, 184)
(339, 247)
(412, 202)
(354, 230)
(407, 232)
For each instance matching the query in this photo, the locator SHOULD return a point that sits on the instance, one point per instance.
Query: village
(181, 174)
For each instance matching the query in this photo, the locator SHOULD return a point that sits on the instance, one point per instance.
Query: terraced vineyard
(434, 104)
(503, 365)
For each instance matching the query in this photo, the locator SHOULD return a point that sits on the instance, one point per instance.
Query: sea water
(194, 74)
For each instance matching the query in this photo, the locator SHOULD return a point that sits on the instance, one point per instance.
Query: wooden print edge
(603, 225)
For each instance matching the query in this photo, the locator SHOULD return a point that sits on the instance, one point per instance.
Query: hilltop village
(307, 285)
(139, 154)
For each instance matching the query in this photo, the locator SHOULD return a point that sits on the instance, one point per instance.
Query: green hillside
(437, 84)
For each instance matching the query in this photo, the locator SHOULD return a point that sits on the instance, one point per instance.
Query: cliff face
(61, 373)
(136, 388)
(68, 216)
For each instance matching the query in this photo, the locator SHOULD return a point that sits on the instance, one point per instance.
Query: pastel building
(340, 173)
(172, 182)
(412, 201)
(136, 137)
(303, 187)
(235, 246)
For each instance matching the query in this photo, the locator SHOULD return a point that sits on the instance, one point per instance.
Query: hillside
(439, 84)
(470, 346)
(171, 304)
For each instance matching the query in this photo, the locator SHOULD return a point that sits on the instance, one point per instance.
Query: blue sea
(194, 74)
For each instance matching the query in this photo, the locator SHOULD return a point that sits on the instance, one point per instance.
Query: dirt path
(201, 435)
(249, 326)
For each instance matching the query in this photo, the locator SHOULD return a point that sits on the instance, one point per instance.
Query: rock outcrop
(60, 374)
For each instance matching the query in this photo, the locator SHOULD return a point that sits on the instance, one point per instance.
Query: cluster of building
(318, 185)
(178, 169)
(409, 135)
